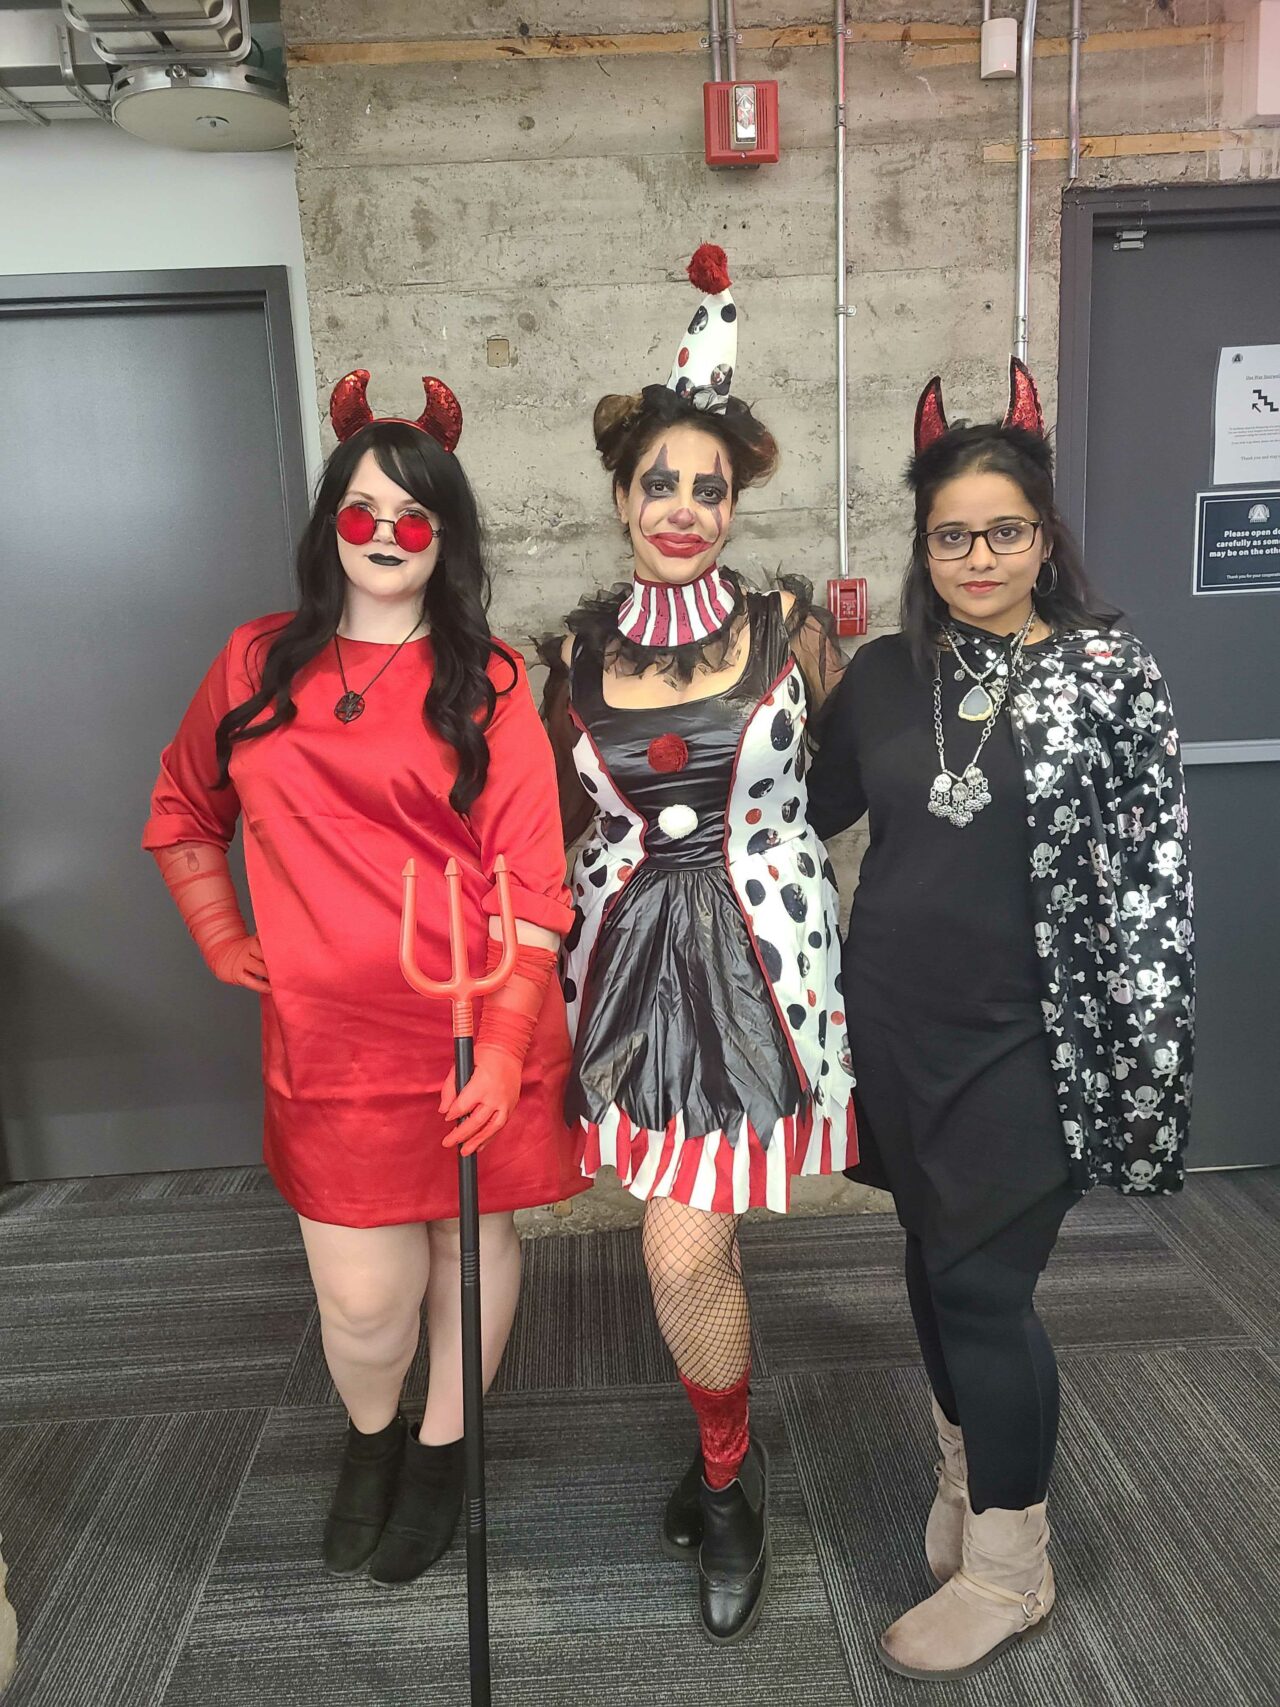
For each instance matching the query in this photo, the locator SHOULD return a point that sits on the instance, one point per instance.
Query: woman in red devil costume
(377, 722)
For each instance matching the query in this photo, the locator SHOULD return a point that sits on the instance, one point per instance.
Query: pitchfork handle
(473, 1401)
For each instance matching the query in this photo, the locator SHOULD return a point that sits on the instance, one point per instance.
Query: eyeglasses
(1005, 539)
(357, 524)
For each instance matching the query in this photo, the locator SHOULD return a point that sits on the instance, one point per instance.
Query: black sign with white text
(1238, 541)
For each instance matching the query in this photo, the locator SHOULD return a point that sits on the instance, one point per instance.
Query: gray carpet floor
(168, 1433)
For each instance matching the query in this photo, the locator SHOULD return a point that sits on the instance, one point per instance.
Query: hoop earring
(1047, 592)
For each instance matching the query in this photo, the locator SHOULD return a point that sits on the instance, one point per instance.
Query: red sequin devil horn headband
(1024, 401)
(349, 410)
(1024, 409)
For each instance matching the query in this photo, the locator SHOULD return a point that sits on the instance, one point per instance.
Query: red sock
(722, 1422)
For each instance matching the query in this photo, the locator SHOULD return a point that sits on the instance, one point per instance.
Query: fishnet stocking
(695, 1273)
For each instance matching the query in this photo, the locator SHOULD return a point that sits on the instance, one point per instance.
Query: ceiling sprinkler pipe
(1026, 82)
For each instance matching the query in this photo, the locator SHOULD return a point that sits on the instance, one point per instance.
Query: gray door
(153, 478)
(1153, 288)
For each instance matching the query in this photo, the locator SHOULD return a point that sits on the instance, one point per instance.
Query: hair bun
(614, 416)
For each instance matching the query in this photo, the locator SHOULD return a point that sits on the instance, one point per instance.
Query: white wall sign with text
(1246, 415)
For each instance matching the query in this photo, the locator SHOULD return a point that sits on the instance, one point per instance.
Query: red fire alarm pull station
(742, 123)
(847, 602)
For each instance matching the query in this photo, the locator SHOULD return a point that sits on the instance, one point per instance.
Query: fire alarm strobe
(742, 123)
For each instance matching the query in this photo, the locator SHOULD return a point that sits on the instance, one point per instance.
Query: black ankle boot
(363, 1496)
(681, 1530)
(733, 1561)
(425, 1514)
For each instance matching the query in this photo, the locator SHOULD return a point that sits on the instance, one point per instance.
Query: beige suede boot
(1002, 1592)
(8, 1631)
(944, 1532)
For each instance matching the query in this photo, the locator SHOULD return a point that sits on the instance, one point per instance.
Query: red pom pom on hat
(709, 269)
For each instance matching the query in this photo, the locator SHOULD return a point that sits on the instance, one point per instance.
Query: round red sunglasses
(357, 525)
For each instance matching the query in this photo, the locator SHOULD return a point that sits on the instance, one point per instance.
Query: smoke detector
(187, 73)
(209, 109)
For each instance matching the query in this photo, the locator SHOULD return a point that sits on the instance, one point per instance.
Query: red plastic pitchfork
(461, 989)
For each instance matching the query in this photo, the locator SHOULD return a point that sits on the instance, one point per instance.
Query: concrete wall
(552, 203)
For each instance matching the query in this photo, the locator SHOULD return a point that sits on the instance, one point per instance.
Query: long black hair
(1026, 459)
(460, 702)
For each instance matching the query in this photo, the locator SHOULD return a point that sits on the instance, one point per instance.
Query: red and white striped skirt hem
(713, 1171)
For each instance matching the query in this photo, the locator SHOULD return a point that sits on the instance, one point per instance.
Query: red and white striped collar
(656, 613)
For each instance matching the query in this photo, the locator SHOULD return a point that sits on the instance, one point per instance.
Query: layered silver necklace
(958, 795)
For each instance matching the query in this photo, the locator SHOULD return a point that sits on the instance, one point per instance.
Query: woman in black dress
(1018, 973)
(702, 978)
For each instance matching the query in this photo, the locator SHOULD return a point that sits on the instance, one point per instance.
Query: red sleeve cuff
(167, 829)
(552, 912)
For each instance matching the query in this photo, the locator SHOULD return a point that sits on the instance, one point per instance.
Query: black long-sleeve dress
(1019, 988)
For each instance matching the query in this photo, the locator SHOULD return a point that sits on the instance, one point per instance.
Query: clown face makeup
(379, 561)
(680, 505)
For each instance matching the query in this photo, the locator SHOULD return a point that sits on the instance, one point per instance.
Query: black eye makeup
(659, 477)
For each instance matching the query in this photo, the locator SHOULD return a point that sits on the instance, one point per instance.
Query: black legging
(988, 1357)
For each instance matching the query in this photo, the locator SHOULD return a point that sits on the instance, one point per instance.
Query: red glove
(485, 1103)
(199, 880)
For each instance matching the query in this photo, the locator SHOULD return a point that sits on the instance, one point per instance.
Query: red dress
(352, 1058)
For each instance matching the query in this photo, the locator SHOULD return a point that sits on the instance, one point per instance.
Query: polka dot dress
(710, 1057)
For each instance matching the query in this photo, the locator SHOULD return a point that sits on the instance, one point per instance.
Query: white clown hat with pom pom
(703, 368)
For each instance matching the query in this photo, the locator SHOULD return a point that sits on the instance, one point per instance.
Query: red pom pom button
(668, 754)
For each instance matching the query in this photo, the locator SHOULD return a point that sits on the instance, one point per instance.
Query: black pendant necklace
(351, 705)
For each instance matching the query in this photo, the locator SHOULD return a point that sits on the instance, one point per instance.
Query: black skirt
(679, 1016)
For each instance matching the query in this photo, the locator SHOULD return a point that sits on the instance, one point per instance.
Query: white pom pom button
(677, 822)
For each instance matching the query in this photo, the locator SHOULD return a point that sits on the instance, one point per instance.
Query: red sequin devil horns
(1024, 407)
(349, 410)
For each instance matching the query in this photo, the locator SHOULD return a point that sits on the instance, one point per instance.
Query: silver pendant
(958, 798)
(977, 705)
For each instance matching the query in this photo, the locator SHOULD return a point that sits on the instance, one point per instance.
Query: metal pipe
(24, 109)
(1073, 91)
(1026, 81)
(713, 36)
(731, 38)
(986, 11)
(147, 23)
(840, 32)
(71, 77)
